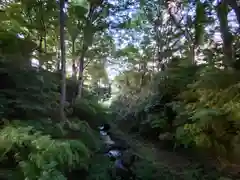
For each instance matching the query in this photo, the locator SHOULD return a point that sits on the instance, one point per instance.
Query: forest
(163, 73)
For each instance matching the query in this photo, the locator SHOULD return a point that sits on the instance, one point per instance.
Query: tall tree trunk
(40, 50)
(80, 73)
(85, 46)
(236, 8)
(63, 61)
(142, 79)
(45, 42)
(58, 56)
(191, 55)
(57, 60)
(222, 12)
(74, 67)
(98, 90)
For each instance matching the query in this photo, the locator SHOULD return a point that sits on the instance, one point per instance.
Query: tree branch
(86, 64)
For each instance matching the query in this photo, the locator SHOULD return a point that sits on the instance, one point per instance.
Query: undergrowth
(31, 154)
(34, 144)
(188, 107)
(99, 167)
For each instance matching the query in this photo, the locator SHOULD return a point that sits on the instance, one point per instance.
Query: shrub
(91, 111)
(33, 155)
(37, 97)
(199, 105)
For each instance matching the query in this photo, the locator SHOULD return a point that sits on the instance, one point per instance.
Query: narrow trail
(148, 151)
(172, 162)
(162, 158)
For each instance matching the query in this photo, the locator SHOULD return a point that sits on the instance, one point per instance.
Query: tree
(188, 52)
(88, 33)
(222, 12)
(63, 60)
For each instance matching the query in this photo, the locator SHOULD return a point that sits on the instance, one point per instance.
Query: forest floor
(179, 165)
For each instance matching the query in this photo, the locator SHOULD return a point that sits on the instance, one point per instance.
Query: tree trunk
(57, 60)
(191, 55)
(80, 73)
(85, 46)
(236, 8)
(58, 64)
(45, 42)
(40, 50)
(63, 61)
(74, 67)
(222, 12)
(142, 79)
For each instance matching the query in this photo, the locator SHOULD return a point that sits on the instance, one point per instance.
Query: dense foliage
(35, 142)
(177, 84)
(181, 86)
(37, 145)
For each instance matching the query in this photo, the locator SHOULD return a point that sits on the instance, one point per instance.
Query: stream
(117, 151)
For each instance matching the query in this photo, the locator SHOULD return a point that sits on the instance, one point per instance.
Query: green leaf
(82, 3)
(80, 11)
(204, 113)
(88, 34)
(81, 7)
(142, 3)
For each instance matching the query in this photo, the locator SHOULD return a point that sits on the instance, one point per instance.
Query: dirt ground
(177, 163)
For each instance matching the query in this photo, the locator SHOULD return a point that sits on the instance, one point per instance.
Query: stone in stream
(224, 178)
(114, 153)
(167, 136)
(105, 127)
(122, 167)
(103, 133)
(128, 158)
(107, 140)
(117, 150)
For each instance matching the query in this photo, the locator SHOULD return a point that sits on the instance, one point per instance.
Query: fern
(38, 155)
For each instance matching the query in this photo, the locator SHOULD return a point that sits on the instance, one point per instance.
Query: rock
(107, 140)
(167, 136)
(224, 178)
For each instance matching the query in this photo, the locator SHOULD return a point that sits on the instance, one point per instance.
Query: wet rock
(224, 178)
(165, 136)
